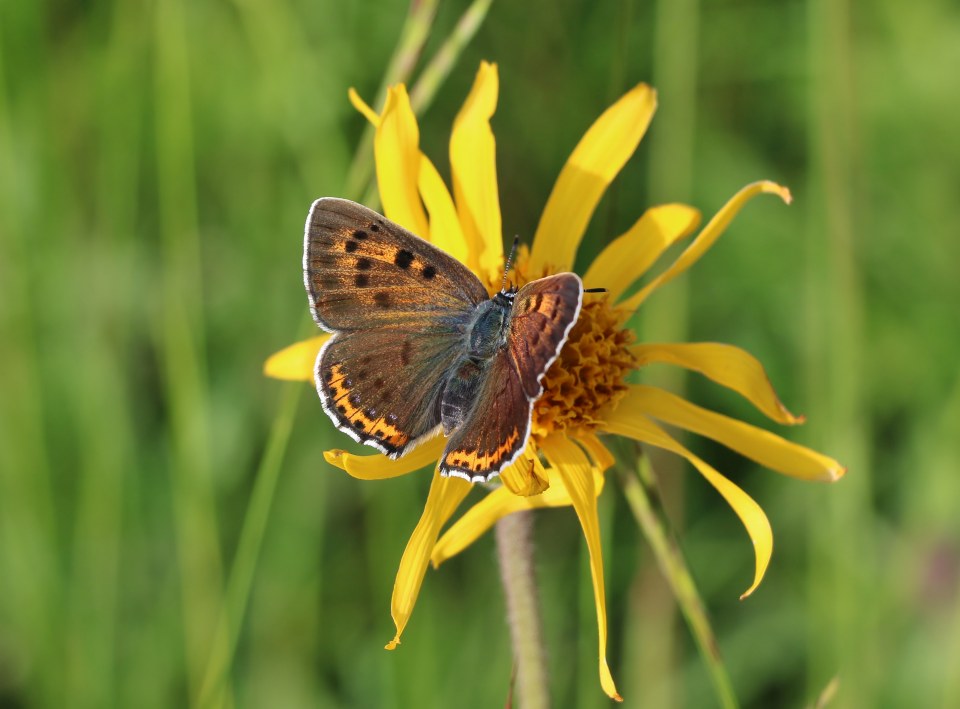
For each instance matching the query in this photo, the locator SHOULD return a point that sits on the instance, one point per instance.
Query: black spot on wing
(363, 264)
(429, 272)
(382, 299)
(361, 280)
(403, 258)
(360, 234)
(350, 246)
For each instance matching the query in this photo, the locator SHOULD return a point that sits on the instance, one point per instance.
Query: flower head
(586, 396)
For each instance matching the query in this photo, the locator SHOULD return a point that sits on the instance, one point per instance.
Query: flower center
(589, 375)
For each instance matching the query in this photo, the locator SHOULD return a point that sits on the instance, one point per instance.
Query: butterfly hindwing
(362, 272)
(544, 311)
(495, 431)
(383, 390)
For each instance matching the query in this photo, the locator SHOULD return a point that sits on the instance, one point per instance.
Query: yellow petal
(396, 148)
(766, 448)
(379, 467)
(527, 475)
(445, 231)
(362, 107)
(602, 458)
(730, 366)
(711, 232)
(641, 428)
(596, 160)
(629, 256)
(296, 362)
(500, 503)
(473, 162)
(575, 470)
(444, 497)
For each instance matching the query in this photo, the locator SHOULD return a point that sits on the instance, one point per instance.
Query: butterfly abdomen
(459, 394)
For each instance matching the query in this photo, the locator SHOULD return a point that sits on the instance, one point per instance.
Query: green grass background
(156, 163)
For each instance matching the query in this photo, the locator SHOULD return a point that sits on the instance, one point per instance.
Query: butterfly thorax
(485, 336)
(487, 332)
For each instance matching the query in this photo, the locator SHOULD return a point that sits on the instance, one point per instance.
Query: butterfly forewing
(362, 271)
(544, 311)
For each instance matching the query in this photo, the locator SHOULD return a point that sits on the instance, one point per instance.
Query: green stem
(416, 29)
(439, 68)
(515, 553)
(644, 501)
(214, 685)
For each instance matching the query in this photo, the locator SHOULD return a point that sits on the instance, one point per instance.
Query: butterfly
(420, 347)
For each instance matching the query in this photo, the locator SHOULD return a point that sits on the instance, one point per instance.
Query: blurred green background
(157, 160)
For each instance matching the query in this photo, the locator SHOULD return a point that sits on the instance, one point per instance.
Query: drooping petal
(473, 163)
(500, 503)
(442, 501)
(727, 365)
(596, 160)
(711, 232)
(526, 476)
(296, 362)
(396, 148)
(377, 466)
(445, 231)
(629, 256)
(643, 429)
(576, 472)
(764, 447)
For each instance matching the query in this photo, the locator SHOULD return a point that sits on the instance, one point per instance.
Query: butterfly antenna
(506, 269)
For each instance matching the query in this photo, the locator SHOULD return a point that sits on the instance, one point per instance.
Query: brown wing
(362, 271)
(383, 391)
(495, 431)
(544, 312)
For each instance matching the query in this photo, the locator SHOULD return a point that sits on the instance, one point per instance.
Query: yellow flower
(586, 395)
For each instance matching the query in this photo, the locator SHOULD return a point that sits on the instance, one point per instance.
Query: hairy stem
(515, 553)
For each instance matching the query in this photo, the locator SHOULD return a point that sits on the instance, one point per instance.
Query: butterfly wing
(496, 430)
(362, 271)
(383, 391)
(544, 312)
(398, 307)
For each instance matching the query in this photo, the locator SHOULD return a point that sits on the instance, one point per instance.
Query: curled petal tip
(838, 473)
(335, 457)
(392, 645)
(783, 192)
